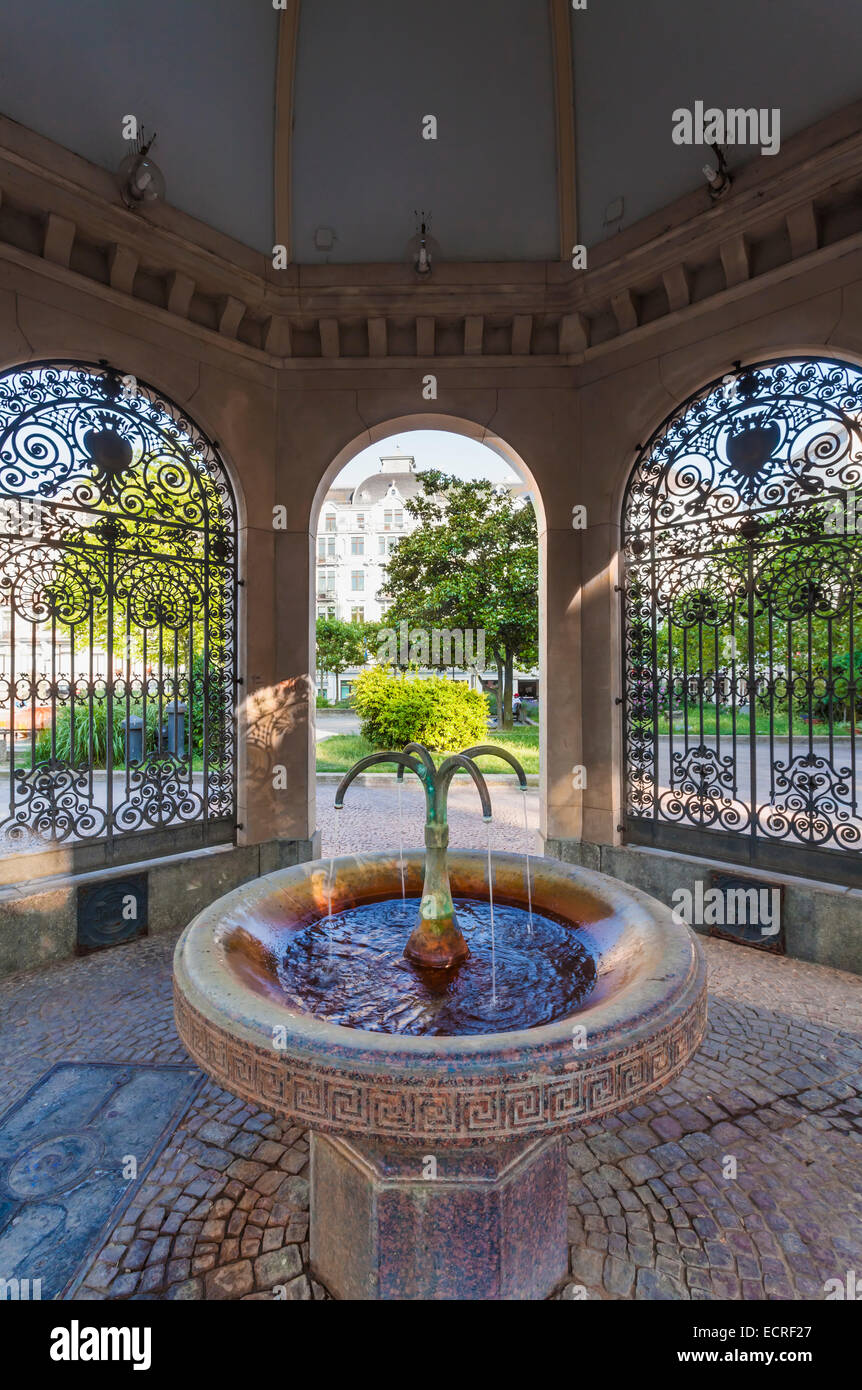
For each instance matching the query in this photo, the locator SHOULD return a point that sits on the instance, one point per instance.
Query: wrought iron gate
(742, 654)
(117, 618)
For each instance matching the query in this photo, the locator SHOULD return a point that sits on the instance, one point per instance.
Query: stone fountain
(439, 1072)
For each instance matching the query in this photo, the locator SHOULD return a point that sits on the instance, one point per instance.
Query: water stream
(527, 855)
(401, 837)
(493, 933)
(336, 844)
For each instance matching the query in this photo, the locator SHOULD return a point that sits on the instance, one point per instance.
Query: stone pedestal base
(392, 1221)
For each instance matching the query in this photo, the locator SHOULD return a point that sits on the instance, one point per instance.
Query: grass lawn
(339, 753)
(743, 724)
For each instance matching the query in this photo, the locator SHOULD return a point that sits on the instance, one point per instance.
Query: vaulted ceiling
(349, 169)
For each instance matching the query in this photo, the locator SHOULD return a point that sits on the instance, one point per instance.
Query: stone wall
(38, 920)
(820, 921)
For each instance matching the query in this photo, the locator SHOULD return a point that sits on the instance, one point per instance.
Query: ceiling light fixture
(719, 179)
(140, 178)
(422, 246)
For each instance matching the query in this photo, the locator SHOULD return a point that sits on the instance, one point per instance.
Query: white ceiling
(636, 61)
(199, 72)
(368, 73)
(202, 72)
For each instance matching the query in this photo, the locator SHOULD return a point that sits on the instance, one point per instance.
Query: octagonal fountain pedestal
(437, 1162)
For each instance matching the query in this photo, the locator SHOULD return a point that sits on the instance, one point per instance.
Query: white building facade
(358, 529)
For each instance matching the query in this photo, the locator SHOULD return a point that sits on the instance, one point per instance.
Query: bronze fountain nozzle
(436, 942)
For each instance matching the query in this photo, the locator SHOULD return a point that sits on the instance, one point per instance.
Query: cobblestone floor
(223, 1213)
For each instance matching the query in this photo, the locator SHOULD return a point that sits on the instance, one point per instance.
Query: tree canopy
(471, 563)
(340, 645)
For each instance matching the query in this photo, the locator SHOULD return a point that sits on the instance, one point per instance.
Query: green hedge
(396, 708)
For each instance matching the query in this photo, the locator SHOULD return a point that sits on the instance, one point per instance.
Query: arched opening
(118, 538)
(741, 648)
(361, 512)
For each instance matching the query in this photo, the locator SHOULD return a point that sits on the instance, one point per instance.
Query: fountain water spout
(436, 942)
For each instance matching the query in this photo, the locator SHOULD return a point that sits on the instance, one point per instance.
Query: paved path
(776, 1085)
(371, 817)
(335, 721)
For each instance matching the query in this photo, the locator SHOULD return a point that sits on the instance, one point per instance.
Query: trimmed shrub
(396, 709)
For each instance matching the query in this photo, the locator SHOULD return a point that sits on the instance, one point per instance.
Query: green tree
(791, 596)
(471, 563)
(165, 623)
(340, 645)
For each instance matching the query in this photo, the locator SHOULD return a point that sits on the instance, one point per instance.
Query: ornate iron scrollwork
(742, 657)
(117, 612)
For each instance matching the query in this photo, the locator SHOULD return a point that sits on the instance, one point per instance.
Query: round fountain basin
(641, 1019)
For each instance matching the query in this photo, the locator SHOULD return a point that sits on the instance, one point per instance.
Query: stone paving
(370, 816)
(655, 1209)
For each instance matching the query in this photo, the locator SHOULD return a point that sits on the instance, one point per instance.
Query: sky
(451, 453)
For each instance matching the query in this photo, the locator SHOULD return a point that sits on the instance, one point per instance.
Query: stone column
(560, 733)
(395, 1221)
(601, 685)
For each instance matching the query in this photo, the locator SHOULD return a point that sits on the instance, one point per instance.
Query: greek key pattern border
(333, 1101)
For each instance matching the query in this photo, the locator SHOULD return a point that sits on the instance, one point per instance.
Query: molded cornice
(62, 217)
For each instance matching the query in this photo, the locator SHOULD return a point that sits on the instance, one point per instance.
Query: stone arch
(469, 429)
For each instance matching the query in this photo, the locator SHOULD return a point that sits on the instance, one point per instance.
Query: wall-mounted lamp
(719, 179)
(423, 248)
(140, 178)
(423, 260)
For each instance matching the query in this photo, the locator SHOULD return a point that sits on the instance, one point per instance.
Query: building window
(387, 519)
(381, 545)
(329, 521)
(360, 521)
(357, 615)
(357, 545)
(399, 520)
(325, 548)
(357, 580)
(122, 617)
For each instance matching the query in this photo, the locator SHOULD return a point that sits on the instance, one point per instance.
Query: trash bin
(176, 728)
(133, 728)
